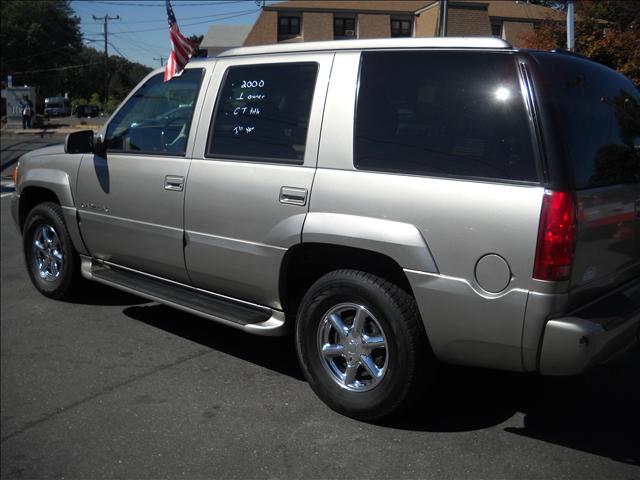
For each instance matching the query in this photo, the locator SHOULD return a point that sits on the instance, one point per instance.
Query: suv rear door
(254, 161)
(598, 110)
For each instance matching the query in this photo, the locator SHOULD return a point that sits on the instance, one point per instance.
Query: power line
(163, 4)
(121, 54)
(248, 12)
(69, 67)
(200, 17)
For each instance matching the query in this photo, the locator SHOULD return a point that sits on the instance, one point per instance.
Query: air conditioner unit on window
(349, 33)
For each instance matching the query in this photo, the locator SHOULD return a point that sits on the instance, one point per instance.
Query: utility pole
(443, 18)
(570, 27)
(161, 60)
(105, 31)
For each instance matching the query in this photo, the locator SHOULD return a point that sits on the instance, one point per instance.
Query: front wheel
(52, 261)
(362, 345)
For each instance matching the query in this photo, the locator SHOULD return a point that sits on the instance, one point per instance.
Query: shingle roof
(497, 8)
(225, 36)
(520, 9)
(352, 5)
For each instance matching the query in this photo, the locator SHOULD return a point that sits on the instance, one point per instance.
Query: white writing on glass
(241, 128)
(252, 83)
(242, 110)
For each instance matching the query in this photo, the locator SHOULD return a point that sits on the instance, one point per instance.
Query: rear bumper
(592, 334)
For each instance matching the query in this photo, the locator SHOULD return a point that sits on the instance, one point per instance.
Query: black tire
(406, 361)
(63, 284)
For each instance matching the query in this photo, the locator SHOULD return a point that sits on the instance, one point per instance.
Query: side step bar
(245, 316)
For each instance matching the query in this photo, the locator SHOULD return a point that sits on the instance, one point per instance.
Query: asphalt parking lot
(111, 386)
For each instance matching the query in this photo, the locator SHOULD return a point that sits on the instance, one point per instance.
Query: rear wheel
(362, 346)
(52, 261)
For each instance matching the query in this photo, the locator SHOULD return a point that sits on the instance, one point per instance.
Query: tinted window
(599, 113)
(443, 114)
(157, 118)
(263, 113)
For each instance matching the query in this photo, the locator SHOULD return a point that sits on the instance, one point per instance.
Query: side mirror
(79, 142)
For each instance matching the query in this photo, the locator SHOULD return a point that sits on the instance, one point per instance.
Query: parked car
(396, 203)
(87, 111)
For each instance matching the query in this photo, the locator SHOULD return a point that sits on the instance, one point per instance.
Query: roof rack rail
(377, 43)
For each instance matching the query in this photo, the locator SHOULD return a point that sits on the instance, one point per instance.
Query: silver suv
(396, 203)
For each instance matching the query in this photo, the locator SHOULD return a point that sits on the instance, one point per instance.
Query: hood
(50, 150)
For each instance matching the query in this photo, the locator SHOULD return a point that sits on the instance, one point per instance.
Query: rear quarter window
(449, 114)
(599, 113)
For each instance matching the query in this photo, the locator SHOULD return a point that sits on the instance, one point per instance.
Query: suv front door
(130, 202)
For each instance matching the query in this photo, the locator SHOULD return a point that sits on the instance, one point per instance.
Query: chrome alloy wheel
(47, 253)
(353, 347)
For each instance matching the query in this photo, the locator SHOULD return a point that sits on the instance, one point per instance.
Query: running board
(245, 316)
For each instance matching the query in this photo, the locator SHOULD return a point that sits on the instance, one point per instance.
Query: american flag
(181, 48)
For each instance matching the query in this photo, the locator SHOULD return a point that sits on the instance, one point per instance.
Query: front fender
(56, 181)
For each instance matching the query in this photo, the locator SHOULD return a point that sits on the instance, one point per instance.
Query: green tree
(38, 37)
(196, 40)
(607, 31)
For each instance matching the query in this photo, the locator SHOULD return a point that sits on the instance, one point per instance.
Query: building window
(400, 28)
(344, 28)
(496, 29)
(289, 26)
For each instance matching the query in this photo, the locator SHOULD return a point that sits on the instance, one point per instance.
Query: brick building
(308, 20)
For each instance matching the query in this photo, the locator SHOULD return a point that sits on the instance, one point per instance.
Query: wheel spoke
(38, 244)
(57, 254)
(371, 366)
(47, 234)
(350, 373)
(55, 269)
(358, 321)
(332, 350)
(373, 342)
(338, 324)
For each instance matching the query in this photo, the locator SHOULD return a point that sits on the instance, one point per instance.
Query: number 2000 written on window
(262, 113)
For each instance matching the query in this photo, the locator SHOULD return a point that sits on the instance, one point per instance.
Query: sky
(142, 33)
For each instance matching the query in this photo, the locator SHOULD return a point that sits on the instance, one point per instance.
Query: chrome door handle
(173, 182)
(293, 196)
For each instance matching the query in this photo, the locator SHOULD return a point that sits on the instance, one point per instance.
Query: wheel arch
(33, 195)
(305, 263)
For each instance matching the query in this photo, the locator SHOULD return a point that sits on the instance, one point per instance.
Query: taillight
(556, 237)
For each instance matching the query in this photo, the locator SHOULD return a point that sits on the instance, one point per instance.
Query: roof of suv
(377, 43)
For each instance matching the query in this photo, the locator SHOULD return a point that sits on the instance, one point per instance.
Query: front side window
(444, 114)
(400, 28)
(157, 118)
(288, 26)
(262, 113)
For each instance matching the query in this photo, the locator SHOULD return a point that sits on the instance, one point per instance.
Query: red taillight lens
(14, 175)
(556, 237)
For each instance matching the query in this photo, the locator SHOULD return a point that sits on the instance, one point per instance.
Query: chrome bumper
(583, 339)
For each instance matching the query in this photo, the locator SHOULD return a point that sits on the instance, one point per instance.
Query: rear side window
(450, 114)
(262, 113)
(157, 118)
(599, 113)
